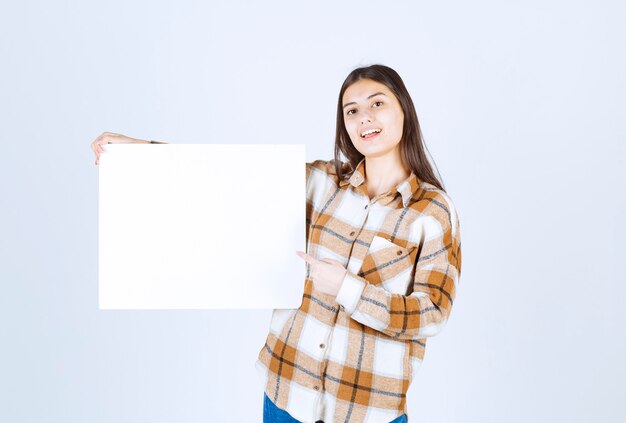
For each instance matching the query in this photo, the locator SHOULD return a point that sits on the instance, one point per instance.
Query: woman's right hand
(112, 138)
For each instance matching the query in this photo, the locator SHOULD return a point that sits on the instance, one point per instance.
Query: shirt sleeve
(425, 311)
(311, 167)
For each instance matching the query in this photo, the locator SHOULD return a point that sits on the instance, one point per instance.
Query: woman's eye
(349, 111)
(377, 102)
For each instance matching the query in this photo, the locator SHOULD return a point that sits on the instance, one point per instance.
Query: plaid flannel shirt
(353, 357)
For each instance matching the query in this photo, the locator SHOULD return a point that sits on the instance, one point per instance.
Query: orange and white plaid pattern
(353, 357)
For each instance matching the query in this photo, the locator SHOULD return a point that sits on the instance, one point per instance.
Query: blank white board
(201, 226)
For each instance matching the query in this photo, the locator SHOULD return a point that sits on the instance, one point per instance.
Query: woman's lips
(370, 136)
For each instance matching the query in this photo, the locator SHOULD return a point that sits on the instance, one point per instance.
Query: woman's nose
(365, 117)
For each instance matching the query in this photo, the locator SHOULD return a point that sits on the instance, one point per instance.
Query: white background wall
(522, 108)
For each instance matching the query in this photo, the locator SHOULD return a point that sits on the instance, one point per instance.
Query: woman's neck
(383, 174)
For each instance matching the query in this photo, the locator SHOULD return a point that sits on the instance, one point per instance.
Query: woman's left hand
(327, 274)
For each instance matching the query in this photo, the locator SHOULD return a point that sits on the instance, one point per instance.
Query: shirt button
(322, 345)
(366, 206)
(352, 233)
(317, 388)
(399, 252)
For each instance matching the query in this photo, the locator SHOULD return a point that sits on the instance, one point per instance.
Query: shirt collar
(407, 188)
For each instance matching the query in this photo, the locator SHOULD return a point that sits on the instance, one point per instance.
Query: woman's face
(368, 105)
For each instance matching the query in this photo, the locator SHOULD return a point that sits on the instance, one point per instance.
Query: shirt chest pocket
(389, 265)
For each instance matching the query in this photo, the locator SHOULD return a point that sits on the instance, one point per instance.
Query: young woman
(383, 263)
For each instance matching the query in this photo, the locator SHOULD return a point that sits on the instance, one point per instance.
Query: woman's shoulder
(329, 167)
(437, 203)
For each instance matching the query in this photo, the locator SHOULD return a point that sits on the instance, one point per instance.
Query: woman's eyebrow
(368, 97)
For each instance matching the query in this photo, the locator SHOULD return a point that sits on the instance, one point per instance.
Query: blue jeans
(273, 414)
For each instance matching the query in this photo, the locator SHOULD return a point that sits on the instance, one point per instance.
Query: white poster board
(201, 226)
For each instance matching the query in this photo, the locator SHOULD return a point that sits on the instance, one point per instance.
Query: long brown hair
(412, 148)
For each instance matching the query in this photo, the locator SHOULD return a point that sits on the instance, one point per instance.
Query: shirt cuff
(350, 292)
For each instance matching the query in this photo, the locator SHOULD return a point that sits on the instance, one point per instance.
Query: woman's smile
(370, 133)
